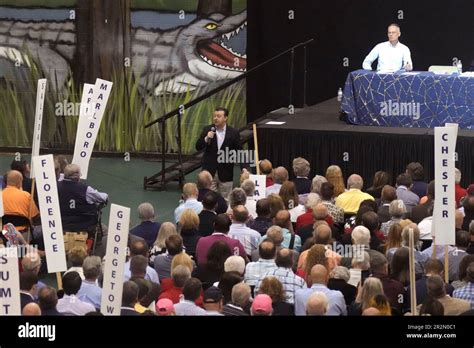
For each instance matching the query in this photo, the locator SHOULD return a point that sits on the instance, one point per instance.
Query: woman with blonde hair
(371, 288)
(335, 177)
(382, 304)
(182, 259)
(159, 247)
(188, 229)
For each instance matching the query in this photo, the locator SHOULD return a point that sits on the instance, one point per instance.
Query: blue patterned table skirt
(423, 100)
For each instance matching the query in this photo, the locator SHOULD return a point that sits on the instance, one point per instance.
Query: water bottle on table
(459, 66)
(339, 95)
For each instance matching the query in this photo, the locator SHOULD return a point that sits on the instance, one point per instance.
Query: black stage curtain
(361, 153)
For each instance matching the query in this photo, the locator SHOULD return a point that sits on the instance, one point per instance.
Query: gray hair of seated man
(340, 272)
(92, 267)
(249, 187)
(72, 172)
(301, 167)
(146, 212)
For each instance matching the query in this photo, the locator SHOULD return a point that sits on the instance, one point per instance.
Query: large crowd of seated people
(313, 246)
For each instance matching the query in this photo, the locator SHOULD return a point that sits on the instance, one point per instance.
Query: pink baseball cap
(262, 303)
(164, 306)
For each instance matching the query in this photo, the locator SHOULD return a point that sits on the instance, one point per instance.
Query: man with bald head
(31, 310)
(239, 230)
(24, 168)
(280, 175)
(275, 234)
(204, 184)
(317, 304)
(350, 200)
(284, 273)
(319, 277)
(190, 197)
(255, 271)
(78, 201)
(16, 201)
(290, 239)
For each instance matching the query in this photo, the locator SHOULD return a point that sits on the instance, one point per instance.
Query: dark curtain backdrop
(368, 152)
(435, 31)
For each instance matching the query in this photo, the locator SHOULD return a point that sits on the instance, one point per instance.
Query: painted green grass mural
(122, 126)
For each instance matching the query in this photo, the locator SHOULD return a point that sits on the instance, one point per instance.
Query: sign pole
(446, 264)
(412, 272)
(255, 142)
(28, 238)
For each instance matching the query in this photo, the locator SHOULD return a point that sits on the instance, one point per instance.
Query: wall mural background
(159, 54)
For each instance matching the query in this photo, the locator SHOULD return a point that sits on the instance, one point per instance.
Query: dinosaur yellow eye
(211, 26)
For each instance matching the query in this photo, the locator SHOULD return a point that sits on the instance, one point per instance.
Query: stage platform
(317, 134)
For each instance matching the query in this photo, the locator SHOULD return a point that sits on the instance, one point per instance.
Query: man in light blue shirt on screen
(392, 55)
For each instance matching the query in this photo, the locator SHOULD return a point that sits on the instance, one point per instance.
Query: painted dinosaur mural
(173, 60)
(190, 55)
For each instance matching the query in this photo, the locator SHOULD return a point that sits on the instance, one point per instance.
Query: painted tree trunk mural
(103, 39)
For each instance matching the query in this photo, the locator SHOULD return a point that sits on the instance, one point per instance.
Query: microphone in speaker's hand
(210, 134)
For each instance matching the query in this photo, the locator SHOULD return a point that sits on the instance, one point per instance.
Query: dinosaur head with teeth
(209, 56)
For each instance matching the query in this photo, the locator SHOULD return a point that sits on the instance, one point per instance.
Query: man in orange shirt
(16, 201)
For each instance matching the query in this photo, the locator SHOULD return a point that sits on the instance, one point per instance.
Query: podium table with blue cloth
(408, 99)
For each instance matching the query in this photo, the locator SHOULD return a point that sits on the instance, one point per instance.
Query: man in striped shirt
(284, 273)
(467, 292)
(239, 230)
(255, 271)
